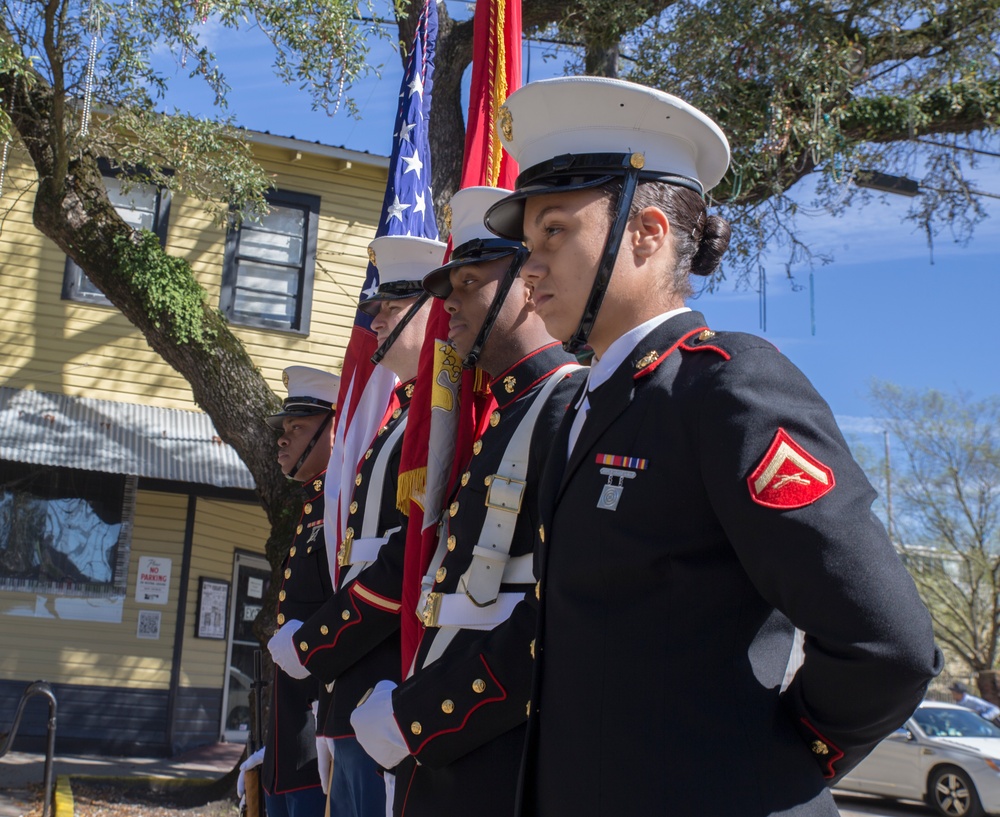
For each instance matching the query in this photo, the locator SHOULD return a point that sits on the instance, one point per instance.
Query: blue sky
(886, 307)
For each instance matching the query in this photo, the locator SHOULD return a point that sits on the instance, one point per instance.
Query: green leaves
(321, 46)
(808, 87)
(171, 297)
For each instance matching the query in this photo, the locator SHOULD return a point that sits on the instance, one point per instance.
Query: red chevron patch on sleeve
(788, 477)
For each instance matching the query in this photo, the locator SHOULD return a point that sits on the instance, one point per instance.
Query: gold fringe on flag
(411, 485)
(482, 384)
(497, 60)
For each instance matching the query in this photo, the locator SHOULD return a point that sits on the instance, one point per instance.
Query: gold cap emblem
(506, 120)
(509, 384)
(371, 257)
(446, 214)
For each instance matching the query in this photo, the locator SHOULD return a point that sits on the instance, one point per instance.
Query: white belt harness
(479, 604)
(356, 553)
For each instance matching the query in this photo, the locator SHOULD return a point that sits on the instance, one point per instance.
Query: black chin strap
(607, 263)
(503, 287)
(397, 331)
(312, 444)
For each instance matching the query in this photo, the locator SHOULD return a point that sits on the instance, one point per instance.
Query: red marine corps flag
(366, 390)
(449, 404)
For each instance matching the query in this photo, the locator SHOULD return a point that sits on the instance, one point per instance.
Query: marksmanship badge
(612, 492)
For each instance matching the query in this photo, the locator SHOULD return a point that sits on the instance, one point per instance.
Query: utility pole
(888, 486)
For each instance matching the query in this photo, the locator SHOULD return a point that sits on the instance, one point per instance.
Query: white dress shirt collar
(602, 368)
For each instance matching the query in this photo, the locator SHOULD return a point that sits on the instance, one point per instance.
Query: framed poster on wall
(213, 604)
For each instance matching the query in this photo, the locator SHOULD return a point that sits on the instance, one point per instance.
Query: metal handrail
(33, 689)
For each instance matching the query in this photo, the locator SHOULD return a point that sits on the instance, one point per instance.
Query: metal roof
(116, 438)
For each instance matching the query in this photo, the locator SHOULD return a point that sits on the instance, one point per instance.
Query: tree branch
(955, 108)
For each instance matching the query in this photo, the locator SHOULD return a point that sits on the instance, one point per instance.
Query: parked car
(945, 755)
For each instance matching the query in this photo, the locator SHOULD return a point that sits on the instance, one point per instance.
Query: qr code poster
(149, 624)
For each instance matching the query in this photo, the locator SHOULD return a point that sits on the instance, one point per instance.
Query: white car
(946, 755)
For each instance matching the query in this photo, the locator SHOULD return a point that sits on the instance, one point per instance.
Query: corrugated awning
(116, 438)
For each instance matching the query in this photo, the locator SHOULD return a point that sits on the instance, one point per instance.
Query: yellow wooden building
(131, 545)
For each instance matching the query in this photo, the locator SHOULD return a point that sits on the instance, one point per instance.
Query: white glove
(324, 761)
(376, 728)
(251, 762)
(390, 792)
(324, 753)
(282, 649)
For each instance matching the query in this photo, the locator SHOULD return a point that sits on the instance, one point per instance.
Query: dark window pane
(139, 208)
(269, 264)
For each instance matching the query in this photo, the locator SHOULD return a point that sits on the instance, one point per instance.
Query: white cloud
(859, 425)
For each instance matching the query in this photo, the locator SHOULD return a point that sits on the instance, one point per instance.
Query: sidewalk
(19, 770)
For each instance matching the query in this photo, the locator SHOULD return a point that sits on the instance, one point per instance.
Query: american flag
(438, 443)
(366, 390)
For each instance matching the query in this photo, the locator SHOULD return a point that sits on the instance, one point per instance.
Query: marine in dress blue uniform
(700, 502)
(455, 726)
(352, 640)
(289, 772)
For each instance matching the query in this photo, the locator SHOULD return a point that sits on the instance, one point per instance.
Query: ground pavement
(18, 770)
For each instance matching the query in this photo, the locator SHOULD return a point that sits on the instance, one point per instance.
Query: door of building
(251, 577)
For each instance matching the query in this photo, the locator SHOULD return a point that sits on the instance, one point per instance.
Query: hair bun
(714, 240)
